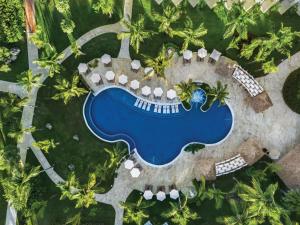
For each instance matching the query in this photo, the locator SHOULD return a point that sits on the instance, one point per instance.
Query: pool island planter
(165, 157)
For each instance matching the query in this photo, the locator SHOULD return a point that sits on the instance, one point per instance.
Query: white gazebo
(95, 78)
(106, 59)
(135, 65)
(171, 94)
(110, 75)
(187, 54)
(135, 172)
(83, 68)
(123, 79)
(146, 90)
(158, 92)
(215, 56)
(160, 196)
(148, 194)
(129, 164)
(174, 194)
(202, 53)
(134, 84)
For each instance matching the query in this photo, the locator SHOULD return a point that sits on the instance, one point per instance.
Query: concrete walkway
(13, 88)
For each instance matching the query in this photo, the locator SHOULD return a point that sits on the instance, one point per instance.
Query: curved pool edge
(159, 103)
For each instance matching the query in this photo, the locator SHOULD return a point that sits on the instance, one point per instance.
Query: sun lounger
(164, 109)
(176, 109)
(145, 105)
(173, 108)
(168, 109)
(141, 103)
(136, 102)
(159, 109)
(148, 106)
(155, 108)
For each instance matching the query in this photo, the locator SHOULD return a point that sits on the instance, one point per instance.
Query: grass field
(291, 91)
(67, 120)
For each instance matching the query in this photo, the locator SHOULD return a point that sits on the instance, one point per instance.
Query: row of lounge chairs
(247, 81)
(142, 104)
(166, 109)
(230, 165)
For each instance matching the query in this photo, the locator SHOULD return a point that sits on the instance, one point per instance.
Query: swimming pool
(158, 136)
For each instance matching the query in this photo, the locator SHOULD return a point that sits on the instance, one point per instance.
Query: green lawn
(56, 212)
(214, 38)
(67, 120)
(207, 210)
(83, 16)
(291, 91)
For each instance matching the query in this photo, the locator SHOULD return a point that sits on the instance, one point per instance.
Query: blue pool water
(158, 138)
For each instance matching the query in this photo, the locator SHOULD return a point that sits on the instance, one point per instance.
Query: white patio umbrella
(95, 77)
(135, 64)
(174, 194)
(146, 90)
(160, 196)
(171, 94)
(106, 59)
(135, 172)
(129, 164)
(215, 55)
(135, 84)
(110, 75)
(148, 70)
(274, 154)
(123, 79)
(83, 68)
(158, 92)
(202, 53)
(148, 194)
(187, 54)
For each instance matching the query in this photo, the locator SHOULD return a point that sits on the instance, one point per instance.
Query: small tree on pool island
(218, 93)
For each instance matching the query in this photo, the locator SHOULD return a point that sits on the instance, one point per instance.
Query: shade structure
(171, 94)
(83, 68)
(174, 194)
(95, 77)
(202, 53)
(129, 164)
(160, 196)
(135, 64)
(135, 172)
(215, 55)
(106, 59)
(135, 84)
(110, 75)
(146, 90)
(158, 92)
(148, 70)
(274, 154)
(148, 195)
(123, 79)
(187, 54)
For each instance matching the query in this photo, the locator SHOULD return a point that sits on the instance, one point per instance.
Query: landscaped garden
(59, 167)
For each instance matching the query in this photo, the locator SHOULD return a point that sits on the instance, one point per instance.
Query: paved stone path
(124, 50)
(13, 88)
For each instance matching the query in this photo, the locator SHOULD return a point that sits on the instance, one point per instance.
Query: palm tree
(19, 134)
(67, 26)
(262, 174)
(269, 67)
(4, 56)
(217, 195)
(136, 32)
(11, 105)
(51, 61)
(218, 93)
(261, 205)
(170, 15)
(201, 191)
(115, 156)
(291, 201)
(185, 90)
(106, 7)
(191, 35)
(62, 6)
(135, 212)
(240, 215)
(83, 195)
(180, 213)
(29, 81)
(76, 49)
(160, 63)
(39, 38)
(74, 220)
(102, 172)
(68, 90)
(46, 145)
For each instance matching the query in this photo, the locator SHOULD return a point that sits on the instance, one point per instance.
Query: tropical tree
(291, 201)
(67, 26)
(261, 175)
(84, 195)
(161, 62)
(75, 219)
(62, 6)
(217, 195)
(39, 38)
(136, 32)
(180, 213)
(29, 80)
(4, 57)
(218, 93)
(200, 190)
(116, 153)
(18, 134)
(135, 212)
(170, 15)
(11, 104)
(185, 90)
(105, 7)
(191, 35)
(76, 49)
(68, 90)
(51, 62)
(269, 66)
(261, 205)
(46, 145)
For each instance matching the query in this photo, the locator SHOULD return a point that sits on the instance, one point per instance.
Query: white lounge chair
(164, 109)
(140, 103)
(148, 106)
(159, 109)
(168, 109)
(144, 105)
(176, 109)
(155, 108)
(136, 102)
